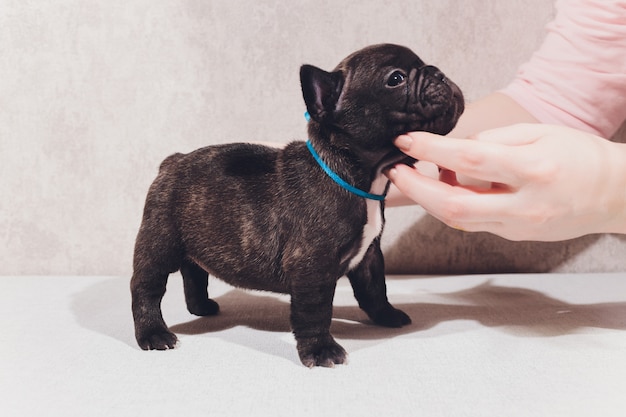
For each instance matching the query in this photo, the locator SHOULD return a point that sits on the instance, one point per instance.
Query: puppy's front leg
(368, 283)
(311, 315)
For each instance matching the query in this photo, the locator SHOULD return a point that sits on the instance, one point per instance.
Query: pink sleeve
(578, 76)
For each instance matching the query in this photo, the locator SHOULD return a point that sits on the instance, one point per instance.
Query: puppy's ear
(321, 91)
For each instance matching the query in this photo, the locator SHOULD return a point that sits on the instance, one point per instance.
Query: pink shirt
(577, 78)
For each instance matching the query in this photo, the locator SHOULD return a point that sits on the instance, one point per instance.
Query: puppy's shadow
(240, 308)
(105, 308)
(518, 311)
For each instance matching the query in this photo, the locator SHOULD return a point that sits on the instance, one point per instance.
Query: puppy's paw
(326, 353)
(157, 340)
(207, 307)
(391, 317)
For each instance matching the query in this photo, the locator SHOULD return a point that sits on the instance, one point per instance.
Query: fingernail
(391, 173)
(403, 142)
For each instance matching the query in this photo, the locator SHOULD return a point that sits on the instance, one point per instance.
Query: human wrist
(490, 112)
(616, 210)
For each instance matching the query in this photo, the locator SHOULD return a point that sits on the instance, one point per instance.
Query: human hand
(544, 182)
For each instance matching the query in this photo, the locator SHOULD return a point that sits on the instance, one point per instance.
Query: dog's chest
(374, 224)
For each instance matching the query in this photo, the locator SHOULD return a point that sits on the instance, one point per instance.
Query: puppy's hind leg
(156, 256)
(147, 289)
(370, 290)
(195, 280)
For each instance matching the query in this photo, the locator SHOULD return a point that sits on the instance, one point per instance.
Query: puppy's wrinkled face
(410, 94)
(383, 91)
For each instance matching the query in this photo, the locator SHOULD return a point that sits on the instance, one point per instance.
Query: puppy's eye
(396, 79)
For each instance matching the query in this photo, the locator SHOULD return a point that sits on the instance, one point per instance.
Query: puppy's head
(376, 94)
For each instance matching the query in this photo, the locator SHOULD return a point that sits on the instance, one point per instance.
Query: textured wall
(94, 94)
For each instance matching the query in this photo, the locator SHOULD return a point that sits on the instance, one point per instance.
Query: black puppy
(293, 220)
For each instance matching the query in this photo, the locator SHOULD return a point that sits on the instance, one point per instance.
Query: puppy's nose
(433, 72)
(433, 92)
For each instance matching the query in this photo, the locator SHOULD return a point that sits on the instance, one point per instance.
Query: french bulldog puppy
(293, 220)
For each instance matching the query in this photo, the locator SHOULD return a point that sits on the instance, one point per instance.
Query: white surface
(503, 345)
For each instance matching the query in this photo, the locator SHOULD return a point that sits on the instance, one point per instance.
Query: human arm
(575, 79)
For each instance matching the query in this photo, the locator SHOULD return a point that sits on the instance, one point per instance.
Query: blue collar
(335, 177)
(332, 174)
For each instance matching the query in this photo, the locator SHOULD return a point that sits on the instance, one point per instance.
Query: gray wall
(94, 94)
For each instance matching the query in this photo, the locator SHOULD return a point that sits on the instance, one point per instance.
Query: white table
(499, 345)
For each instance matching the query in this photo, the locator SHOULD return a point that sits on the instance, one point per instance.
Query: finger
(452, 204)
(485, 161)
(473, 206)
(423, 189)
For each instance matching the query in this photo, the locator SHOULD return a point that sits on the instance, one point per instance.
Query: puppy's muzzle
(434, 94)
(434, 104)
